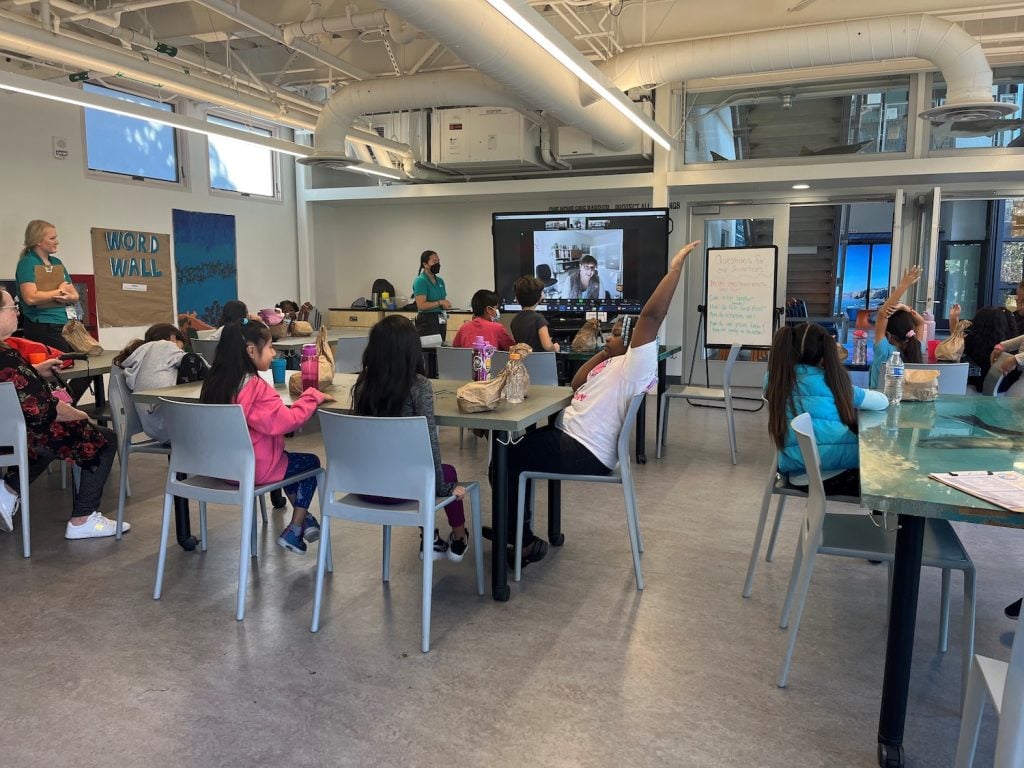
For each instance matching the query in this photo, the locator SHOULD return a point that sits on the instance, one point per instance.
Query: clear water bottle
(309, 367)
(891, 427)
(860, 347)
(894, 378)
(515, 385)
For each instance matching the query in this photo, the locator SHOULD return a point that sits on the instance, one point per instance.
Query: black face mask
(435, 268)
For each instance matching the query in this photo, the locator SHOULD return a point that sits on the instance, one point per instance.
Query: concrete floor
(578, 669)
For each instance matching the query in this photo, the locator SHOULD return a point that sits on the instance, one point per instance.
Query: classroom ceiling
(283, 59)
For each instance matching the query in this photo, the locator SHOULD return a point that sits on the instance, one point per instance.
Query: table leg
(499, 515)
(899, 647)
(98, 393)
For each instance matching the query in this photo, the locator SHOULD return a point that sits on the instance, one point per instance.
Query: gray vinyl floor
(578, 669)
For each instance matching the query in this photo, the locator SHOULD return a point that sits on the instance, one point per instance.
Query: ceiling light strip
(575, 62)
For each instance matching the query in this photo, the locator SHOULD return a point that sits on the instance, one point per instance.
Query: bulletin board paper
(739, 295)
(131, 258)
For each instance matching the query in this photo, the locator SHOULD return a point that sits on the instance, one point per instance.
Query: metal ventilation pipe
(400, 31)
(958, 55)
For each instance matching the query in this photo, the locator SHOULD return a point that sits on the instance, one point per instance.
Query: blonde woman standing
(45, 309)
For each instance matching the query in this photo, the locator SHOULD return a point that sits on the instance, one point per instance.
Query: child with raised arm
(897, 326)
(244, 350)
(584, 442)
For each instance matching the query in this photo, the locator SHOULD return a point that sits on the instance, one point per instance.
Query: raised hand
(681, 254)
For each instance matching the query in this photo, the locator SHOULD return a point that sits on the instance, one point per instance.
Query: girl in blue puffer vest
(805, 375)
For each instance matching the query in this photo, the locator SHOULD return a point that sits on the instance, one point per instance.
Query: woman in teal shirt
(431, 298)
(44, 312)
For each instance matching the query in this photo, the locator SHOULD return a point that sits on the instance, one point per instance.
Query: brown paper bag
(326, 359)
(78, 338)
(920, 384)
(952, 349)
(477, 396)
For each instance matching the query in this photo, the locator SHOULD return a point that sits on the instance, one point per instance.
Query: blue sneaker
(291, 539)
(310, 529)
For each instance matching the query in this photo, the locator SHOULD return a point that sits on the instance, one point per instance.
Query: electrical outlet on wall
(60, 147)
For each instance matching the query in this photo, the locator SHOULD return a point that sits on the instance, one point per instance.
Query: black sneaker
(278, 500)
(1012, 611)
(440, 546)
(457, 548)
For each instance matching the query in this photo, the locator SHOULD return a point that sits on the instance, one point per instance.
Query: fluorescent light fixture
(375, 170)
(575, 62)
(801, 186)
(47, 90)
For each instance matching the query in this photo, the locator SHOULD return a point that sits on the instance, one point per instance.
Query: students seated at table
(584, 441)
(896, 327)
(805, 375)
(56, 430)
(232, 312)
(393, 383)
(244, 350)
(484, 323)
(529, 326)
(990, 326)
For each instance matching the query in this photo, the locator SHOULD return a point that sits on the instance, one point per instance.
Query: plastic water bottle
(515, 385)
(894, 378)
(482, 352)
(929, 328)
(891, 427)
(860, 347)
(309, 367)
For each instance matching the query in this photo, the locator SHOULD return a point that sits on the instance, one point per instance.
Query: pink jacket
(269, 420)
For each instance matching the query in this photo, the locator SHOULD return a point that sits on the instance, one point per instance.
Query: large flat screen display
(603, 261)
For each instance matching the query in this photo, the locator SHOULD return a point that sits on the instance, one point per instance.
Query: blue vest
(837, 445)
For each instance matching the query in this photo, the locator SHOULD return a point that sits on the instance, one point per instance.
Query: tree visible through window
(238, 166)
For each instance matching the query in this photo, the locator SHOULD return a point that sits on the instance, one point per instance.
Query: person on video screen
(585, 283)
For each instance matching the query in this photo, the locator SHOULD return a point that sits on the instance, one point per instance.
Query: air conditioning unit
(581, 151)
(484, 138)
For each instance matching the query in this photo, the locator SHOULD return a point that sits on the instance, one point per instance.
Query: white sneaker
(96, 527)
(8, 507)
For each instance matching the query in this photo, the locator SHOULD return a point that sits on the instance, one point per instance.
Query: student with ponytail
(244, 350)
(805, 375)
(896, 327)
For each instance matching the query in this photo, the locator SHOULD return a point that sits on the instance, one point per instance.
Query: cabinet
(354, 318)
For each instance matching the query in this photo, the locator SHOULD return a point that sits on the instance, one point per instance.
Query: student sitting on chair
(484, 323)
(897, 327)
(529, 326)
(584, 442)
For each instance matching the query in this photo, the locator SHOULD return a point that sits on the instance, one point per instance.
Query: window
(130, 146)
(865, 283)
(238, 166)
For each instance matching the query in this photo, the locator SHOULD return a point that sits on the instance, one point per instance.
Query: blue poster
(205, 262)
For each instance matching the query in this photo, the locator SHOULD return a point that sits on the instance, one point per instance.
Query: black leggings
(846, 483)
(547, 449)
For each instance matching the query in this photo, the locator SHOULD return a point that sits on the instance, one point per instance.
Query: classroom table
(94, 367)
(574, 360)
(898, 449)
(289, 343)
(541, 402)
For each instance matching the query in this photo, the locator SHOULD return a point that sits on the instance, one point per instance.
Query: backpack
(380, 285)
(192, 368)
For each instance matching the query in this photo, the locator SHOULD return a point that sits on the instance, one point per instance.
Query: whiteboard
(739, 296)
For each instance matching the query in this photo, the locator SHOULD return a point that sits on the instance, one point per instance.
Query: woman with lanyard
(431, 298)
(47, 294)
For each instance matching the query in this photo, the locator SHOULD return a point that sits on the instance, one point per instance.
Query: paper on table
(1004, 489)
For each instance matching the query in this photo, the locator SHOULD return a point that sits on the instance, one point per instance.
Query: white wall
(35, 185)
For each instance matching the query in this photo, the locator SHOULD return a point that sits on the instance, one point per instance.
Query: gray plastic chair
(720, 394)
(994, 378)
(860, 536)
(207, 438)
(13, 434)
(126, 426)
(1003, 683)
(543, 368)
(621, 475)
(348, 354)
(455, 363)
(206, 348)
(952, 376)
(385, 457)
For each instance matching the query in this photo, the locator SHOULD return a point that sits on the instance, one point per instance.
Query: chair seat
(698, 393)
(150, 446)
(614, 477)
(352, 506)
(857, 535)
(782, 488)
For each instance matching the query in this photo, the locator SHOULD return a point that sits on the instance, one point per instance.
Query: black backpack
(380, 285)
(192, 368)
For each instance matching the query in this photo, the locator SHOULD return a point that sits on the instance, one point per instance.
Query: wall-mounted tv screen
(589, 261)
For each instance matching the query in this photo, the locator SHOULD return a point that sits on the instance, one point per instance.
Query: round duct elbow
(330, 160)
(967, 111)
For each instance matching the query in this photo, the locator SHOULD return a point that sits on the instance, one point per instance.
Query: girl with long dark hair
(897, 327)
(244, 350)
(805, 374)
(392, 383)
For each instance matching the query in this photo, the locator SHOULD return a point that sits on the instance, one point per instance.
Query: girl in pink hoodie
(245, 349)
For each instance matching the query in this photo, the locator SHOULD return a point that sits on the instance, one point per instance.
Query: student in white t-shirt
(584, 441)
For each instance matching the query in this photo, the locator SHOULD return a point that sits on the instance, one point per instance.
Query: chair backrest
(994, 377)
(811, 532)
(1010, 737)
(210, 440)
(627, 429)
(378, 456)
(12, 420)
(730, 363)
(542, 367)
(122, 408)
(455, 363)
(952, 376)
(498, 362)
(348, 354)
(316, 318)
(207, 348)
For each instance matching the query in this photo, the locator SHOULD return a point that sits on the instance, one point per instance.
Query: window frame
(180, 147)
(275, 157)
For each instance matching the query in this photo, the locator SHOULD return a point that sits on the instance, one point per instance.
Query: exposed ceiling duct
(958, 55)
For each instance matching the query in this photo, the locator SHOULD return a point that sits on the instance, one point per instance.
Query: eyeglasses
(14, 307)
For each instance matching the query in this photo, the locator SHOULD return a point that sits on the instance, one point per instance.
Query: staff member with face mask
(431, 297)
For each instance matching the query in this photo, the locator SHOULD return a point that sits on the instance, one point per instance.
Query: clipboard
(1004, 489)
(49, 278)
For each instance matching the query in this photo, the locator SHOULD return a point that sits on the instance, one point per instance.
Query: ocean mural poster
(205, 262)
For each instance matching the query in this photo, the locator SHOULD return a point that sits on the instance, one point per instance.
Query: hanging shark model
(838, 149)
(986, 127)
